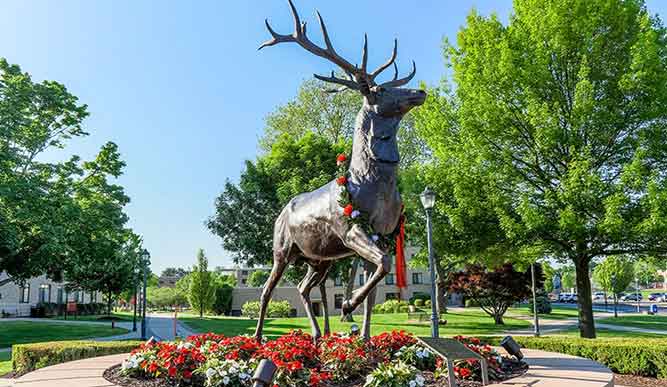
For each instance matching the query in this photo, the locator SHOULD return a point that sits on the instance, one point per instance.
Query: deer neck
(364, 167)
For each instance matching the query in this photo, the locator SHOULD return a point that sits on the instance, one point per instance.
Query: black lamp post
(135, 300)
(428, 201)
(145, 256)
(536, 319)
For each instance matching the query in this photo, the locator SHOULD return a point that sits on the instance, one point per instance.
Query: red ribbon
(401, 274)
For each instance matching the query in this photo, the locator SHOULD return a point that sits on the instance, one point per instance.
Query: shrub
(543, 303)
(276, 309)
(417, 356)
(427, 303)
(419, 296)
(29, 357)
(636, 356)
(419, 302)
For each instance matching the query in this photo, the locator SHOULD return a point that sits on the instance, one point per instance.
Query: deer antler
(360, 79)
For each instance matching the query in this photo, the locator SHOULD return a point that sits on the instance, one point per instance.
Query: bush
(276, 309)
(427, 303)
(419, 302)
(543, 303)
(636, 356)
(419, 296)
(29, 357)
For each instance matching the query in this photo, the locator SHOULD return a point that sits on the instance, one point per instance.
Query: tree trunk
(498, 318)
(584, 300)
(349, 286)
(109, 303)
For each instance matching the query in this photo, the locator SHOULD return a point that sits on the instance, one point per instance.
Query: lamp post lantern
(428, 201)
(144, 260)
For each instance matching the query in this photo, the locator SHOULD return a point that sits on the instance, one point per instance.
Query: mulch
(114, 375)
(638, 381)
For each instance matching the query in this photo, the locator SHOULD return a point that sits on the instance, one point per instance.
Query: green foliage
(60, 218)
(614, 274)
(394, 374)
(29, 357)
(543, 303)
(257, 278)
(391, 306)
(165, 298)
(201, 292)
(223, 298)
(276, 309)
(632, 356)
(419, 302)
(551, 139)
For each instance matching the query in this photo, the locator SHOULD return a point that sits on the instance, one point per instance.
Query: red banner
(401, 273)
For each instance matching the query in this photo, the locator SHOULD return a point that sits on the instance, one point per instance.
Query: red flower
(347, 210)
(341, 180)
(187, 374)
(341, 159)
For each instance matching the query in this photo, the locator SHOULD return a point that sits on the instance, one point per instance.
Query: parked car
(598, 296)
(564, 297)
(632, 297)
(658, 297)
(573, 299)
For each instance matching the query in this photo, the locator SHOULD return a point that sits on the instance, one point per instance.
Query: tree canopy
(65, 218)
(554, 135)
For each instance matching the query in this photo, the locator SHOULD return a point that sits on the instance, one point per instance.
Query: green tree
(201, 294)
(257, 278)
(614, 274)
(559, 126)
(646, 271)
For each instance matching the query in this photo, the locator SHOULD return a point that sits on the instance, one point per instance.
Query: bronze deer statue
(312, 225)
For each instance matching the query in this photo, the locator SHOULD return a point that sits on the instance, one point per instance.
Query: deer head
(385, 102)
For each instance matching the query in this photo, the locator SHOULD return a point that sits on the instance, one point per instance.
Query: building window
(93, 297)
(338, 301)
(391, 296)
(338, 281)
(244, 281)
(390, 279)
(244, 272)
(77, 296)
(417, 278)
(25, 294)
(44, 293)
(362, 279)
(61, 294)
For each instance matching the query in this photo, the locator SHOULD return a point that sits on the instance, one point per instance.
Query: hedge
(632, 356)
(29, 357)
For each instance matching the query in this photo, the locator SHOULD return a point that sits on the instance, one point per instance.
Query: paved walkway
(546, 370)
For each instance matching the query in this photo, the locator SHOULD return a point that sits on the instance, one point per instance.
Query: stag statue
(312, 226)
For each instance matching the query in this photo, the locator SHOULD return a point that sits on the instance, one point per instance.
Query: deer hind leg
(281, 259)
(305, 286)
(358, 241)
(323, 270)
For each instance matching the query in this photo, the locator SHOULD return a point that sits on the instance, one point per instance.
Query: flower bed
(392, 359)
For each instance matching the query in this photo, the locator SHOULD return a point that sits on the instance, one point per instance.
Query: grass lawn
(639, 321)
(5, 363)
(21, 332)
(557, 312)
(467, 323)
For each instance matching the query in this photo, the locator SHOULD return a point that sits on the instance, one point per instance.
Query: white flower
(419, 380)
(355, 214)
(225, 380)
(412, 383)
(375, 237)
(210, 373)
(244, 376)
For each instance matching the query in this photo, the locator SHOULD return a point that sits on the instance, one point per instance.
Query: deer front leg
(369, 302)
(358, 241)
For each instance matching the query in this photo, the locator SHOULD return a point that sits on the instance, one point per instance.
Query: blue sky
(181, 88)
